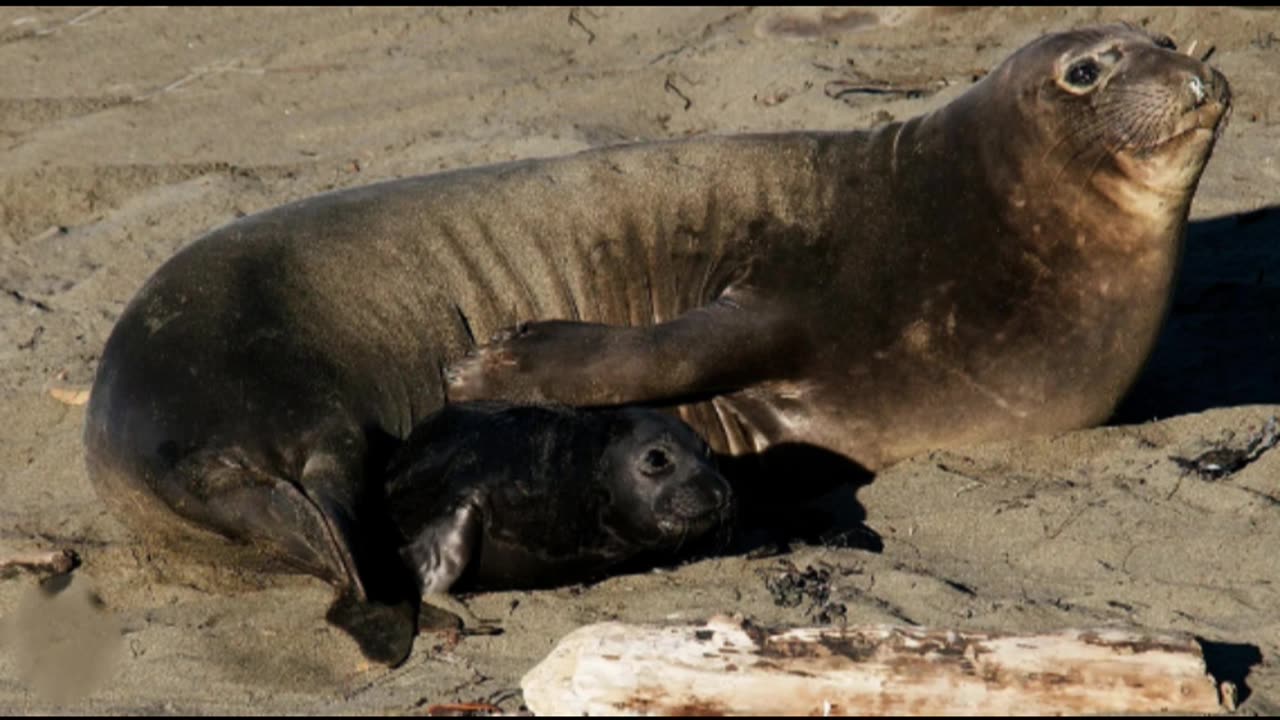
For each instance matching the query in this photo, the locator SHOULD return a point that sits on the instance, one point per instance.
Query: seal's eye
(1084, 73)
(655, 461)
(1166, 42)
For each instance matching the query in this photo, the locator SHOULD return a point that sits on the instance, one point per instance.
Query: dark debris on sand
(1223, 460)
(791, 587)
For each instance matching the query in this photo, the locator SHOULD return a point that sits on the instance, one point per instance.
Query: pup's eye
(1166, 42)
(655, 461)
(1084, 73)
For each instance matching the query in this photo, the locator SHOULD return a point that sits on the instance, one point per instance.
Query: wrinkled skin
(997, 268)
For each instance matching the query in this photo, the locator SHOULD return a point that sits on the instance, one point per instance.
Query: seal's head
(1114, 109)
(663, 487)
(1057, 195)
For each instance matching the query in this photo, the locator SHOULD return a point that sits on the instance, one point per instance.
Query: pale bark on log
(733, 668)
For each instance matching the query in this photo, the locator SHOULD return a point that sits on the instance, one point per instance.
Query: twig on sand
(70, 396)
(222, 66)
(670, 86)
(464, 710)
(77, 20)
(54, 562)
(838, 89)
(575, 20)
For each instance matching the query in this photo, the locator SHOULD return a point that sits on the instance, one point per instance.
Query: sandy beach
(125, 133)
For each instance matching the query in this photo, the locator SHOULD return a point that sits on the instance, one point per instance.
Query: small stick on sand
(55, 562)
(730, 667)
(77, 20)
(464, 710)
(70, 396)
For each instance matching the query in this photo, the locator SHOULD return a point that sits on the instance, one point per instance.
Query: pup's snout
(698, 497)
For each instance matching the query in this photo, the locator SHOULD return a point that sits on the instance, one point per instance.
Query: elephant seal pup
(995, 268)
(494, 497)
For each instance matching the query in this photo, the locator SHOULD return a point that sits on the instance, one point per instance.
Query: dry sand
(125, 133)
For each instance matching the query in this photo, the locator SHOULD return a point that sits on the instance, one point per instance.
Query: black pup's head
(664, 489)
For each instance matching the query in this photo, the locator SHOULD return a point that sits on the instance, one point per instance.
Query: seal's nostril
(699, 497)
(719, 496)
(1198, 91)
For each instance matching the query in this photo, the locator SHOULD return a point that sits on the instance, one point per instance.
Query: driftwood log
(730, 667)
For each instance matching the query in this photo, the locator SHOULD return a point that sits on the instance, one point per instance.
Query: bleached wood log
(733, 668)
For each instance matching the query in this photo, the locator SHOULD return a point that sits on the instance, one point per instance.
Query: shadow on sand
(1221, 344)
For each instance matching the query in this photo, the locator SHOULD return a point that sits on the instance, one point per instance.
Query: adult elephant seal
(493, 496)
(996, 268)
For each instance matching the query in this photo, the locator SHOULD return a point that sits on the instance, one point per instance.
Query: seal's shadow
(1221, 344)
(798, 493)
(1231, 662)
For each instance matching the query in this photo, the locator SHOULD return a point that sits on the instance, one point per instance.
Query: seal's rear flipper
(310, 526)
(377, 597)
(268, 513)
(384, 632)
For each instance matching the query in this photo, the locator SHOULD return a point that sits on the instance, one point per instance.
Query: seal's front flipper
(438, 552)
(711, 349)
(433, 617)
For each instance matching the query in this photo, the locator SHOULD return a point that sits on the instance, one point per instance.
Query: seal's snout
(1208, 98)
(702, 496)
